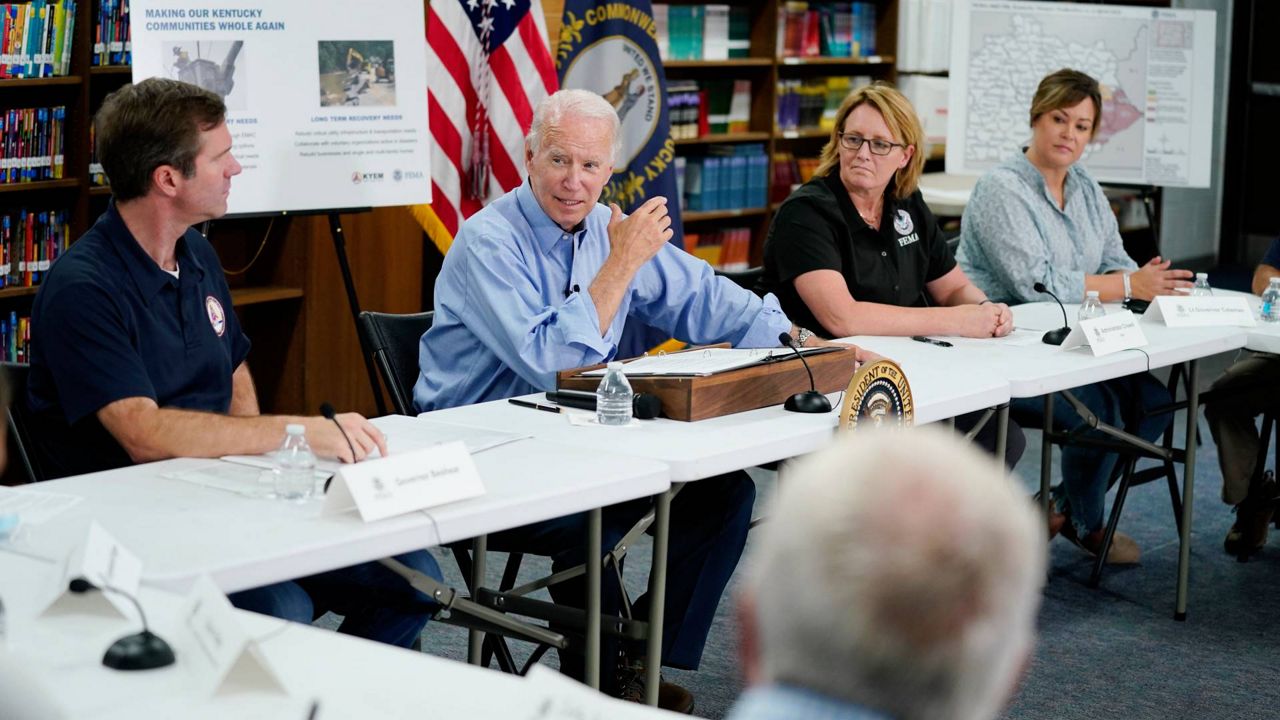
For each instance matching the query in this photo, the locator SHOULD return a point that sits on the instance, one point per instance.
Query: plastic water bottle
(1271, 301)
(295, 469)
(1202, 285)
(613, 397)
(1091, 307)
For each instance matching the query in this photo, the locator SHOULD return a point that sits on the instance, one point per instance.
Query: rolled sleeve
(1114, 257)
(683, 296)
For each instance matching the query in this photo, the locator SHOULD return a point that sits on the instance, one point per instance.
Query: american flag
(488, 65)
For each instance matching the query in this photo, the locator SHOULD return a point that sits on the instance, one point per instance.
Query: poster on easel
(326, 99)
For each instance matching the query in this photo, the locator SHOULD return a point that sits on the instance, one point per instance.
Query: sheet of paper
(239, 478)
(405, 433)
(706, 362)
(34, 506)
(1019, 337)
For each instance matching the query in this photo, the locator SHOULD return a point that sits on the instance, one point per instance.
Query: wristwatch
(803, 335)
(1128, 288)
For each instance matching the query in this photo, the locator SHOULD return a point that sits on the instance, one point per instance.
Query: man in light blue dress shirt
(898, 577)
(542, 280)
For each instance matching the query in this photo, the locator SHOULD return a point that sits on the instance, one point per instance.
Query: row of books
(828, 29)
(702, 32)
(700, 107)
(729, 177)
(789, 173)
(30, 240)
(15, 338)
(31, 141)
(728, 249)
(36, 39)
(813, 102)
(97, 176)
(111, 45)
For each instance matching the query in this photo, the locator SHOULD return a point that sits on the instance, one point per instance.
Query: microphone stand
(1055, 337)
(810, 401)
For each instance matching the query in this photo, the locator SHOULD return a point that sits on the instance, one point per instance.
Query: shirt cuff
(580, 323)
(769, 323)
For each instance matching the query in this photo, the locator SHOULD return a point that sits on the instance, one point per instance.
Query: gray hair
(553, 110)
(901, 572)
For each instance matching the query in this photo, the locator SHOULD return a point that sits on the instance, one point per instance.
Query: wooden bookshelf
(726, 138)
(17, 292)
(17, 83)
(28, 187)
(764, 68)
(245, 296)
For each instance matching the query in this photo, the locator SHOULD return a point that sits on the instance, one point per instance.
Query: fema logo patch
(902, 223)
(217, 318)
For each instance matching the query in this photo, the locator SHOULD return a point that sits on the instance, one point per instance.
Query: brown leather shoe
(672, 697)
(1124, 550)
(1249, 532)
(1056, 522)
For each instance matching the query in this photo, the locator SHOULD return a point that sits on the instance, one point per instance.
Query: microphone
(327, 411)
(141, 651)
(1055, 337)
(643, 405)
(805, 402)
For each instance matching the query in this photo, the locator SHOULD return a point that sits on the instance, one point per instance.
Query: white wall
(1191, 220)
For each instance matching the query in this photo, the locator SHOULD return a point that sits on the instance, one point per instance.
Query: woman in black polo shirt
(855, 251)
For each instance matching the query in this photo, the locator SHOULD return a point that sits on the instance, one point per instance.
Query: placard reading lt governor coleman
(326, 100)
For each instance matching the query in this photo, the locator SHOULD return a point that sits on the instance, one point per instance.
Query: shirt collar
(146, 274)
(790, 701)
(1028, 172)
(545, 231)
(837, 188)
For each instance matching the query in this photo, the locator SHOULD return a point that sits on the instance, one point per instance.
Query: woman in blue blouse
(1040, 217)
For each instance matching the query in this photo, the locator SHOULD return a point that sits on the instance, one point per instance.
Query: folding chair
(393, 341)
(20, 420)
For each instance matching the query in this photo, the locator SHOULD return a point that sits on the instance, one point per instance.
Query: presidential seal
(878, 396)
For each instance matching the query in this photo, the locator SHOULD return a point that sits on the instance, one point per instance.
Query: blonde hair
(1066, 88)
(903, 123)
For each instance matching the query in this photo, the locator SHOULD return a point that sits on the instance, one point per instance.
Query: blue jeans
(1087, 471)
(709, 523)
(376, 604)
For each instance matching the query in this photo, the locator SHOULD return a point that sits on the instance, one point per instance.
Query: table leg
(1046, 455)
(1188, 485)
(475, 638)
(658, 591)
(1002, 430)
(593, 560)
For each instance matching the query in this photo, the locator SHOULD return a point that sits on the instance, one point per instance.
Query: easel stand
(353, 300)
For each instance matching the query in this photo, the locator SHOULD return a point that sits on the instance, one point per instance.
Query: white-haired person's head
(569, 154)
(899, 572)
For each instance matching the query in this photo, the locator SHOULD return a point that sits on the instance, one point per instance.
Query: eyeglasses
(878, 147)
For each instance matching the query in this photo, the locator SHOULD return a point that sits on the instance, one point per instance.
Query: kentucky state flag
(610, 48)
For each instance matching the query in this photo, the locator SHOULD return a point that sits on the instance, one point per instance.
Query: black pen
(533, 405)
(931, 341)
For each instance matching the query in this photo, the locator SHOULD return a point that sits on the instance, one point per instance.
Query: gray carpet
(1112, 652)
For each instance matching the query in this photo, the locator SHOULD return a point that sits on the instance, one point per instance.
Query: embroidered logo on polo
(217, 317)
(902, 223)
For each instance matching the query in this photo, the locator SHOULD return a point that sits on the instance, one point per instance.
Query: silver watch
(803, 336)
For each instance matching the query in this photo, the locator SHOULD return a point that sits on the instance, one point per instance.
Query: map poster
(326, 100)
(1155, 66)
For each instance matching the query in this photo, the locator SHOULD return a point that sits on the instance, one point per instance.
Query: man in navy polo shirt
(137, 354)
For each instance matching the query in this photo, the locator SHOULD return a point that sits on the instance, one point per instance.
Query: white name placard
(1107, 334)
(405, 482)
(1202, 311)
(223, 657)
(113, 570)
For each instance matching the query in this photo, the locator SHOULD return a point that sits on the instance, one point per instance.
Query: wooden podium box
(700, 397)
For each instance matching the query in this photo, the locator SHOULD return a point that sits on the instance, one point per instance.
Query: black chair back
(19, 418)
(748, 279)
(393, 340)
